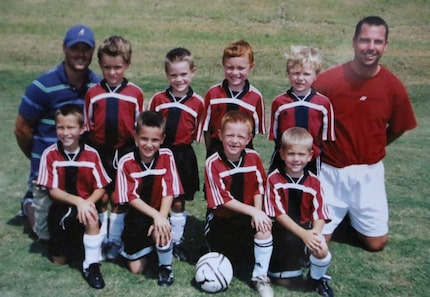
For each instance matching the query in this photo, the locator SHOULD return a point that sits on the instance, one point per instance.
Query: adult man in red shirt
(372, 109)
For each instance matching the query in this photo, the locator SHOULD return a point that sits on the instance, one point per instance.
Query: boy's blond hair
(296, 136)
(115, 46)
(176, 55)
(239, 48)
(236, 116)
(301, 55)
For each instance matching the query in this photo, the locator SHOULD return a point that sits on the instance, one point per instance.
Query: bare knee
(373, 244)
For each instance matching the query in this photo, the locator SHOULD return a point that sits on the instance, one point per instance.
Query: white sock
(177, 222)
(103, 217)
(93, 249)
(319, 267)
(116, 225)
(262, 253)
(165, 254)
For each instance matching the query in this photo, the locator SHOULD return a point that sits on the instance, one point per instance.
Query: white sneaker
(262, 286)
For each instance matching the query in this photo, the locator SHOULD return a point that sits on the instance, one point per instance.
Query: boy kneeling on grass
(148, 181)
(295, 199)
(75, 178)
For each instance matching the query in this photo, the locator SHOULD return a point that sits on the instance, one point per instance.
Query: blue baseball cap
(79, 33)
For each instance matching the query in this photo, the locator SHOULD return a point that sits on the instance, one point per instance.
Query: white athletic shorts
(359, 190)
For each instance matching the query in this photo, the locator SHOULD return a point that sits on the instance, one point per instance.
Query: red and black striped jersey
(183, 116)
(110, 115)
(225, 180)
(313, 112)
(220, 99)
(149, 182)
(300, 199)
(78, 174)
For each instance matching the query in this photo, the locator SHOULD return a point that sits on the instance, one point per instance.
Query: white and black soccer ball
(213, 272)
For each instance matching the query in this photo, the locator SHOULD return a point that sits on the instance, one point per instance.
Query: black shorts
(289, 253)
(65, 230)
(186, 164)
(232, 237)
(110, 158)
(136, 243)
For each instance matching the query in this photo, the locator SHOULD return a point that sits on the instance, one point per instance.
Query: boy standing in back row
(182, 110)
(111, 109)
(301, 105)
(233, 93)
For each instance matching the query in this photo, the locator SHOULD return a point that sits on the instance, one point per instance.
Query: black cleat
(179, 252)
(321, 286)
(165, 275)
(94, 277)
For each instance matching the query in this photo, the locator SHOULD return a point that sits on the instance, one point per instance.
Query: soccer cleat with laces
(94, 277)
(165, 275)
(321, 286)
(262, 285)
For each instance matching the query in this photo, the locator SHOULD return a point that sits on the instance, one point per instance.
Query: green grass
(31, 34)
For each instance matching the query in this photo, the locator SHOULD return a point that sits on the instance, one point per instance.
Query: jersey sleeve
(45, 177)
(171, 183)
(126, 189)
(216, 191)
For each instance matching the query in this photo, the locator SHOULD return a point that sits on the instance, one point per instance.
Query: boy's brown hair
(176, 55)
(115, 46)
(71, 109)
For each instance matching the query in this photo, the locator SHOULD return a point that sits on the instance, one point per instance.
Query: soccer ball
(213, 272)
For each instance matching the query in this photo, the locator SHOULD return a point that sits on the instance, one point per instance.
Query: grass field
(31, 39)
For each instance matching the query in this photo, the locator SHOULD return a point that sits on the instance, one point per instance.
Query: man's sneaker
(94, 277)
(321, 286)
(262, 286)
(179, 252)
(26, 201)
(165, 275)
(112, 250)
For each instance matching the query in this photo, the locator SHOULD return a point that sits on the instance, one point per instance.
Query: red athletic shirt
(149, 182)
(110, 115)
(183, 116)
(78, 175)
(302, 199)
(219, 100)
(313, 113)
(225, 181)
(365, 109)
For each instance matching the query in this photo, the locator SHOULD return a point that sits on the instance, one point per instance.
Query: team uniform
(228, 232)
(149, 182)
(41, 99)
(352, 171)
(183, 118)
(302, 200)
(220, 99)
(110, 117)
(79, 174)
(312, 112)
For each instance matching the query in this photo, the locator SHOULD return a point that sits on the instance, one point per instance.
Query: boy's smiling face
(148, 140)
(180, 76)
(68, 131)
(236, 71)
(235, 137)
